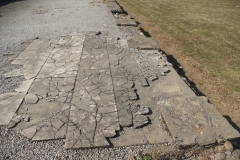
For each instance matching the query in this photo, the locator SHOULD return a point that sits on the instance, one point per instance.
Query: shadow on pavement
(6, 2)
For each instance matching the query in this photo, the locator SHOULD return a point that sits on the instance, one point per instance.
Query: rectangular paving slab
(125, 22)
(142, 43)
(114, 7)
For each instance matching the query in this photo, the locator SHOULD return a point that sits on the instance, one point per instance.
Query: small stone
(163, 74)
(220, 149)
(228, 153)
(220, 156)
(27, 119)
(31, 98)
(220, 141)
(235, 155)
(228, 146)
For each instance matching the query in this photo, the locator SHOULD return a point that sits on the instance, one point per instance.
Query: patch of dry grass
(204, 36)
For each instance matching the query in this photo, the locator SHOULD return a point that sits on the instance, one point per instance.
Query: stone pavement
(96, 90)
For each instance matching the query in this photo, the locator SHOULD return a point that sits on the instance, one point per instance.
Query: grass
(204, 36)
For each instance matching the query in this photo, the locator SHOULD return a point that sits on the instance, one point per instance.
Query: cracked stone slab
(126, 22)
(142, 43)
(15, 120)
(130, 31)
(152, 64)
(93, 110)
(191, 120)
(156, 133)
(53, 127)
(32, 59)
(9, 103)
(143, 110)
(34, 114)
(129, 137)
(13, 54)
(53, 89)
(93, 115)
(91, 84)
(140, 120)
(124, 76)
(63, 61)
(181, 132)
(114, 7)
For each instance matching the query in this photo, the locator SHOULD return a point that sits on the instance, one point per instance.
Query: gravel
(14, 146)
(22, 20)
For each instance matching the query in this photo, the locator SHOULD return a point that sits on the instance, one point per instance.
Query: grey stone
(220, 149)
(29, 132)
(142, 43)
(219, 123)
(109, 133)
(228, 153)
(143, 110)
(181, 133)
(31, 98)
(156, 135)
(131, 31)
(228, 146)
(234, 156)
(114, 7)
(9, 105)
(45, 133)
(14, 122)
(27, 119)
(125, 22)
(219, 156)
(140, 120)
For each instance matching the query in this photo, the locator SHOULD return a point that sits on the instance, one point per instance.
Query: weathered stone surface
(31, 98)
(181, 133)
(53, 127)
(14, 121)
(63, 61)
(169, 87)
(228, 146)
(156, 134)
(140, 120)
(219, 156)
(130, 31)
(32, 59)
(143, 110)
(125, 22)
(190, 115)
(124, 73)
(142, 43)
(114, 7)
(88, 85)
(234, 156)
(9, 103)
(24, 87)
(129, 137)
(94, 109)
(220, 124)
(152, 64)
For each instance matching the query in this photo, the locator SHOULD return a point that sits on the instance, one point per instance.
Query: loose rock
(31, 98)
(228, 146)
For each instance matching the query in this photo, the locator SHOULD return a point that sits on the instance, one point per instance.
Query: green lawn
(207, 31)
